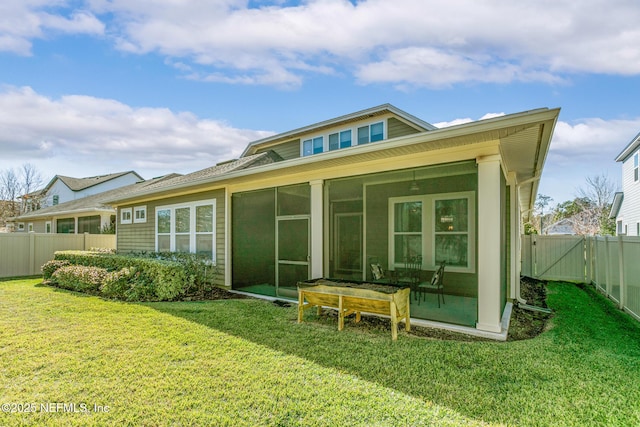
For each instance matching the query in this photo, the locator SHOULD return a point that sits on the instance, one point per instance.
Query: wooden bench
(349, 298)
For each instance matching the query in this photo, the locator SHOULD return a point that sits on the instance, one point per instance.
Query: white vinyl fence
(611, 264)
(22, 254)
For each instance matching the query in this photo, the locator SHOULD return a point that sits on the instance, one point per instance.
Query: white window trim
(48, 227)
(192, 225)
(135, 216)
(30, 227)
(21, 226)
(354, 136)
(123, 214)
(428, 229)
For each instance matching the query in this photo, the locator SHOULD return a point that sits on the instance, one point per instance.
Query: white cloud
(90, 135)
(23, 21)
(402, 42)
(462, 121)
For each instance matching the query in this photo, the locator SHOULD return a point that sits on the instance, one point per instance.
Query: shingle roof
(220, 169)
(79, 184)
(95, 202)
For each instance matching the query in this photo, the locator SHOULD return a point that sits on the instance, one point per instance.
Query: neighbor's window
(125, 216)
(186, 228)
(635, 167)
(47, 227)
(21, 226)
(30, 227)
(56, 199)
(140, 214)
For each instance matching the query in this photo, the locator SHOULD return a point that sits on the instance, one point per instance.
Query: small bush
(52, 266)
(80, 278)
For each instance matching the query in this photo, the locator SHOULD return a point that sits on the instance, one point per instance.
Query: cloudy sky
(158, 86)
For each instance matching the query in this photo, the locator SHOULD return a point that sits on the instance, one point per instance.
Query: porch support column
(489, 214)
(317, 227)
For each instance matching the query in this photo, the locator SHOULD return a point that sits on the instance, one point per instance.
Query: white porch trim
(489, 215)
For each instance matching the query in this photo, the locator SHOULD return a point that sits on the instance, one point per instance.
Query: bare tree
(589, 211)
(14, 184)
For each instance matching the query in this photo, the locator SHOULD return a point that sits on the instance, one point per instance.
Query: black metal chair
(436, 285)
(410, 275)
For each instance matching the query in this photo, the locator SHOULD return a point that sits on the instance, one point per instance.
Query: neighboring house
(564, 226)
(89, 214)
(62, 189)
(626, 204)
(322, 200)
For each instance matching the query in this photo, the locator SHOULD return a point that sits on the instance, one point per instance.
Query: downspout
(521, 302)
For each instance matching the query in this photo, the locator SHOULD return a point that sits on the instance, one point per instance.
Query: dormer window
(370, 133)
(343, 139)
(312, 146)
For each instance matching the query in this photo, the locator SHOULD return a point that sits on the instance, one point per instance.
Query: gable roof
(629, 149)
(79, 184)
(92, 203)
(522, 139)
(348, 118)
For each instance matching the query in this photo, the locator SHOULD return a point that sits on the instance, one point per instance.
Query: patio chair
(436, 285)
(410, 275)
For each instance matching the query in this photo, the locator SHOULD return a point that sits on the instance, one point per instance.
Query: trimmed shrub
(154, 279)
(50, 267)
(79, 278)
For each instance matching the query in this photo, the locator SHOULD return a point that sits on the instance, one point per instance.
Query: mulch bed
(525, 324)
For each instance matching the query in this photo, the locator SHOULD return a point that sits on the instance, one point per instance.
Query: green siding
(377, 217)
(397, 128)
(286, 150)
(141, 236)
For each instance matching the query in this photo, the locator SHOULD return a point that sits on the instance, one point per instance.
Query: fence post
(622, 301)
(587, 259)
(32, 254)
(607, 267)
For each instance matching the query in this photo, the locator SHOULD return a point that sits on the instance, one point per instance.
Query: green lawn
(247, 362)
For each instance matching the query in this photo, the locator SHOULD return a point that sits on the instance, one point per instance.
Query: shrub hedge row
(131, 277)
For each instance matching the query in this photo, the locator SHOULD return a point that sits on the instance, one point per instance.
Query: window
(407, 230)
(47, 227)
(635, 167)
(30, 227)
(56, 199)
(438, 227)
(313, 146)
(340, 140)
(140, 214)
(187, 228)
(89, 224)
(343, 139)
(125, 216)
(451, 231)
(21, 226)
(371, 133)
(66, 225)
